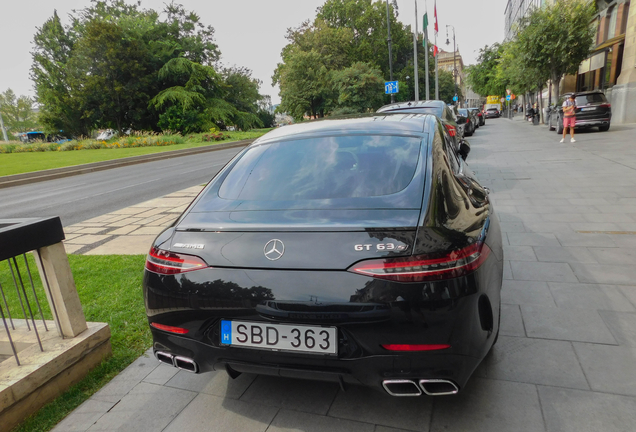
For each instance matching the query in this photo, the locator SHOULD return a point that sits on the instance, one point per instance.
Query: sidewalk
(566, 356)
(128, 231)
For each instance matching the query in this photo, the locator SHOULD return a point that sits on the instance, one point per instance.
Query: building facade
(449, 60)
(611, 66)
(515, 10)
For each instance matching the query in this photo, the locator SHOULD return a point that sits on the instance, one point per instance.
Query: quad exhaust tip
(401, 387)
(438, 387)
(183, 363)
(431, 387)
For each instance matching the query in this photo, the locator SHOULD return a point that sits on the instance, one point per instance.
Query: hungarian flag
(435, 51)
(436, 26)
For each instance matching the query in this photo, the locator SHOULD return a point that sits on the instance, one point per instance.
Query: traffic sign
(513, 96)
(502, 100)
(508, 97)
(455, 98)
(391, 87)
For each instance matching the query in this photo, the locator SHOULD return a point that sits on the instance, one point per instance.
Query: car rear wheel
(603, 128)
(559, 126)
(550, 127)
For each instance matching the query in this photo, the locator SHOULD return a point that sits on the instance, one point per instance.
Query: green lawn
(109, 288)
(18, 163)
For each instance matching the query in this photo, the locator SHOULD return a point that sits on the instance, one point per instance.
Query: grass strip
(19, 163)
(109, 287)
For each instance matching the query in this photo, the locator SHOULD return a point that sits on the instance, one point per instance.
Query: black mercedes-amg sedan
(360, 251)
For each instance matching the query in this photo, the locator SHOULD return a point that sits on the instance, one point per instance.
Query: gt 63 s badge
(380, 247)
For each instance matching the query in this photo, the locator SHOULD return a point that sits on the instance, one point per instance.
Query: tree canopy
(551, 41)
(119, 66)
(556, 38)
(17, 112)
(339, 62)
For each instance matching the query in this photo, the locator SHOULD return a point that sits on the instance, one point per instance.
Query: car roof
(412, 104)
(389, 123)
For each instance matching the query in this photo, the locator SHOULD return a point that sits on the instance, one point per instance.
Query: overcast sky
(249, 33)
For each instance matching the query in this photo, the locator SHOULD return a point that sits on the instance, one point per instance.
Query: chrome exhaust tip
(185, 364)
(401, 387)
(438, 387)
(164, 357)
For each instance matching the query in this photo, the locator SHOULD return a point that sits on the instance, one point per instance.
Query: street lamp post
(454, 53)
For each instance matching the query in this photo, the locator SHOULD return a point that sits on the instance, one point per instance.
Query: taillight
(420, 268)
(607, 105)
(166, 262)
(409, 347)
(452, 131)
(171, 329)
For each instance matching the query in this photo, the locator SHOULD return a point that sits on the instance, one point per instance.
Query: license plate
(588, 109)
(280, 337)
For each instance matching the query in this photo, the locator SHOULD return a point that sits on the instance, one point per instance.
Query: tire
(559, 126)
(603, 128)
(550, 127)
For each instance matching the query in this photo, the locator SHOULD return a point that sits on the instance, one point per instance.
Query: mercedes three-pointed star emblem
(274, 249)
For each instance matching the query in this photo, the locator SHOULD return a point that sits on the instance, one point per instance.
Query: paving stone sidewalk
(128, 231)
(566, 357)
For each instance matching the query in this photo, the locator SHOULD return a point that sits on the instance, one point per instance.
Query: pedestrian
(569, 118)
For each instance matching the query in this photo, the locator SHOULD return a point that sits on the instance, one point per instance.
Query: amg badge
(188, 246)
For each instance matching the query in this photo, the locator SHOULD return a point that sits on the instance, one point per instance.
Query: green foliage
(17, 113)
(337, 62)
(102, 69)
(484, 77)
(359, 87)
(555, 39)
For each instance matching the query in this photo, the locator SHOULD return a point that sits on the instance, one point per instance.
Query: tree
(316, 67)
(305, 84)
(555, 39)
(108, 74)
(17, 113)
(242, 93)
(483, 77)
(193, 103)
(103, 68)
(359, 87)
(53, 45)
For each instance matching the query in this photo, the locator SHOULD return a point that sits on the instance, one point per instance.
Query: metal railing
(20, 304)
(19, 297)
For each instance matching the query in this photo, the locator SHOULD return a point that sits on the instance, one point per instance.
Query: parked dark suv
(592, 110)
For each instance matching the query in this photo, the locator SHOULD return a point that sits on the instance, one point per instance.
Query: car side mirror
(464, 148)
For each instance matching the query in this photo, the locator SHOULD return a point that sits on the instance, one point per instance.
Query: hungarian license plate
(280, 337)
(588, 109)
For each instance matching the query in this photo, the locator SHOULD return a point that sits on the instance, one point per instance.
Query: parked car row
(33, 137)
(358, 251)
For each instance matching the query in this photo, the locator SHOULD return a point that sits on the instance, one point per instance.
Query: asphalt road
(82, 197)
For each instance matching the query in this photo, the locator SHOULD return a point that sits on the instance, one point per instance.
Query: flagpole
(436, 54)
(416, 71)
(425, 24)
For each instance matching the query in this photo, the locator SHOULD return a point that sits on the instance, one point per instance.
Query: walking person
(569, 118)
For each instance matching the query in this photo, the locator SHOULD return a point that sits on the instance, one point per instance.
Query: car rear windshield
(324, 168)
(463, 111)
(590, 98)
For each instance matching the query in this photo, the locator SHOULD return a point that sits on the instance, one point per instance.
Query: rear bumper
(585, 123)
(368, 371)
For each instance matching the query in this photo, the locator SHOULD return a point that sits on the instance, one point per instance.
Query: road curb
(55, 173)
